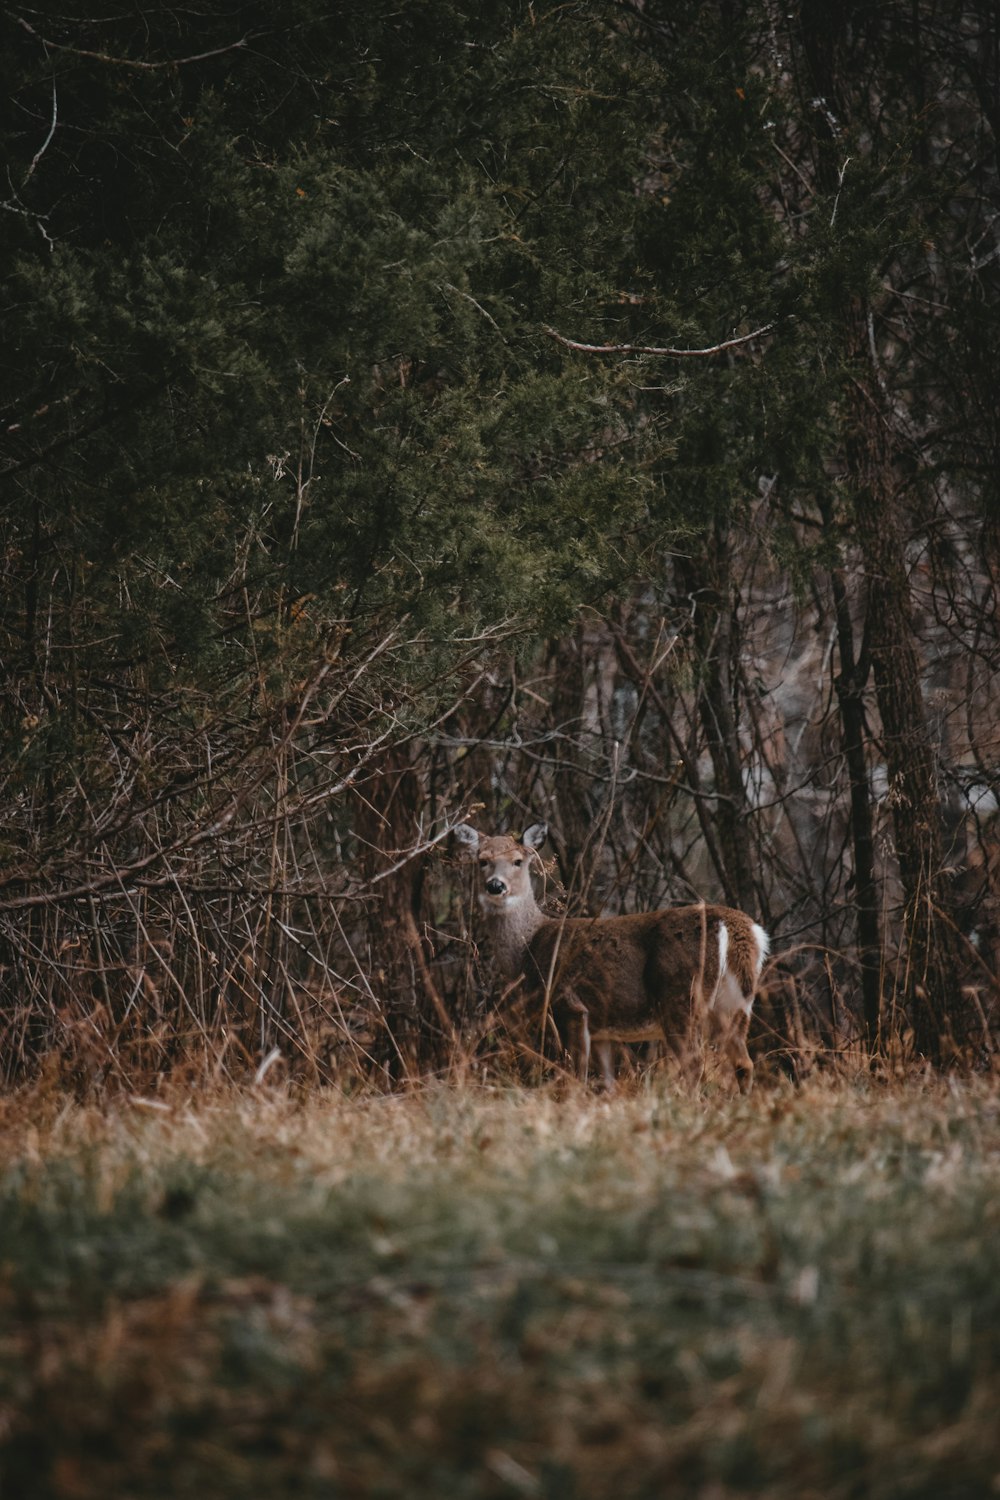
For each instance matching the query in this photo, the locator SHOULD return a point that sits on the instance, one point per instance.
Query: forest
(418, 417)
(419, 414)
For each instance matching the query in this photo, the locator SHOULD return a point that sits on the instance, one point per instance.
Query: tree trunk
(850, 686)
(932, 946)
(707, 581)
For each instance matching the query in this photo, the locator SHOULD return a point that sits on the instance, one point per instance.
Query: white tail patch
(763, 946)
(730, 998)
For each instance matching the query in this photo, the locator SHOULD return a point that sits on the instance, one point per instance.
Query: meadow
(485, 1292)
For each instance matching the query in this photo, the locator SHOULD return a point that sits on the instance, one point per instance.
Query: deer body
(646, 976)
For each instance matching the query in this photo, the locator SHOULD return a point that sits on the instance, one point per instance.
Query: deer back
(629, 969)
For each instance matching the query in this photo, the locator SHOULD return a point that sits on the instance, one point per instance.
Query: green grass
(465, 1293)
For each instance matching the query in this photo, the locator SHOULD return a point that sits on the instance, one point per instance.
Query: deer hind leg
(740, 969)
(735, 1044)
(731, 1016)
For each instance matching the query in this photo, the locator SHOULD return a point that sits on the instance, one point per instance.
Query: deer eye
(518, 863)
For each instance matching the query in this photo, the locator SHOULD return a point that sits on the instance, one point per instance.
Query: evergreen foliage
(275, 318)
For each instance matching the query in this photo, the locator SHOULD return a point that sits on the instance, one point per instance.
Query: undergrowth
(484, 1293)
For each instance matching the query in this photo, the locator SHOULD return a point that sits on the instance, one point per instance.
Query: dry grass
(473, 1292)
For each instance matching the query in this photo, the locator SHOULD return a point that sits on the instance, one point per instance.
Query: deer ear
(467, 837)
(534, 836)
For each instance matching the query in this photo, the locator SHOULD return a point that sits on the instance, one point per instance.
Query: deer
(652, 975)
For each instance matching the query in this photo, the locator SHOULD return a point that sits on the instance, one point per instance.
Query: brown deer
(651, 975)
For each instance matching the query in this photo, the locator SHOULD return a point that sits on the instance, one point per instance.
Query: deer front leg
(578, 1028)
(605, 1061)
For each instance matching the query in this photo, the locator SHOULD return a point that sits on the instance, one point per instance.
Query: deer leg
(582, 1047)
(605, 1061)
(730, 1011)
(734, 1043)
(579, 1031)
(742, 1061)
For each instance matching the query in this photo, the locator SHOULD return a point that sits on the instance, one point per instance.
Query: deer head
(505, 864)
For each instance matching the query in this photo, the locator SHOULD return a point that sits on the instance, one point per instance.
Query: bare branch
(48, 139)
(667, 353)
(131, 62)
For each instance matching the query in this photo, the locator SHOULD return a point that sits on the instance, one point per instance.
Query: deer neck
(511, 928)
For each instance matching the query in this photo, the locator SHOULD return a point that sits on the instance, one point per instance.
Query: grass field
(463, 1292)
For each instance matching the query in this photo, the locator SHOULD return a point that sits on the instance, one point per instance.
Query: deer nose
(495, 887)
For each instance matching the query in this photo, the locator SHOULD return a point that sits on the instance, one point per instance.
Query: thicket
(416, 412)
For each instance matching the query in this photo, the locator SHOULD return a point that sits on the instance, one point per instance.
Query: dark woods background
(318, 532)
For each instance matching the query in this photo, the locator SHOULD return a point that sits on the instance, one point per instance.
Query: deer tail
(743, 949)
